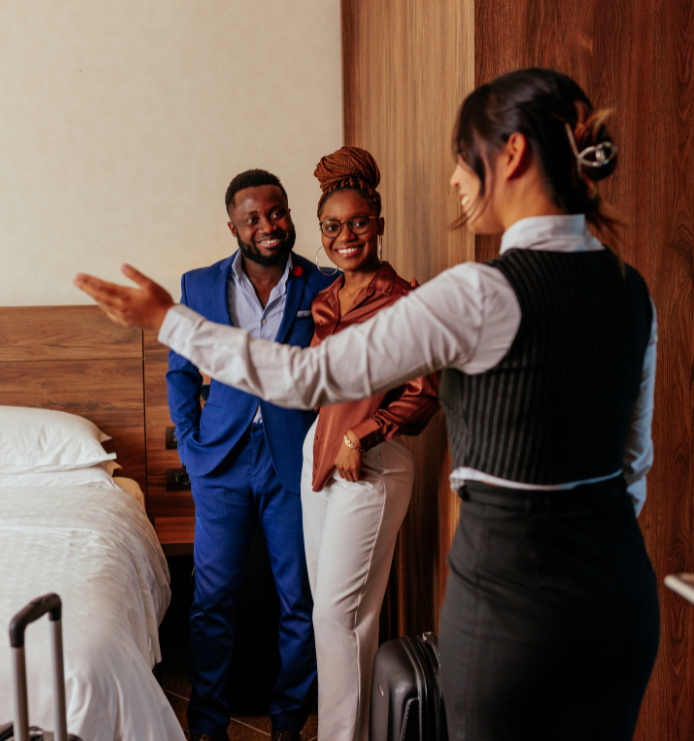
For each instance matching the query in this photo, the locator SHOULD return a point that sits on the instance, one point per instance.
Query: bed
(71, 403)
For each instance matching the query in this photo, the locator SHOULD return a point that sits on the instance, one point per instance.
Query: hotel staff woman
(550, 625)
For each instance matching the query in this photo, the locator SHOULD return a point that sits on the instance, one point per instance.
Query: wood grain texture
(176, 534)
(426, 534)
(64, 333)
(638, 58)
(406, 67)
(400, 60)
(73, 359)
(106, 392)
(161, 503)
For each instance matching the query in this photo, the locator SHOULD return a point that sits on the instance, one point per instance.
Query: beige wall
(121, 125)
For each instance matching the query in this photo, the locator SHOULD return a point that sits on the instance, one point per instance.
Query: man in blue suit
(243, 457)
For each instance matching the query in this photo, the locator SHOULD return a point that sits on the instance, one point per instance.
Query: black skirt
(550, 626)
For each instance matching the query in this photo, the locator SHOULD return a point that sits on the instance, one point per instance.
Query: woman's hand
(348, 460)
(143, 307)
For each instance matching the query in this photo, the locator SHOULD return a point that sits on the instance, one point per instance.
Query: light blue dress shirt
(246, 311)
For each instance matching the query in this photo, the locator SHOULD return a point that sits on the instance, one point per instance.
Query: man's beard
(251, 252)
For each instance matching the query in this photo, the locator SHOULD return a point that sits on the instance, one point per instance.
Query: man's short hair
(251, 179)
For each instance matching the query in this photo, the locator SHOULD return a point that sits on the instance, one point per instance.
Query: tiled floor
(173, 677)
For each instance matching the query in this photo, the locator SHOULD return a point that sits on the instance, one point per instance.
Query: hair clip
(596, 156)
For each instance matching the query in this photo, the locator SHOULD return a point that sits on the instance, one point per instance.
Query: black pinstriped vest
(558, 405)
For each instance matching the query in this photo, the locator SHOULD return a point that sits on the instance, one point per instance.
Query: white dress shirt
(246, 311)
(465, 318)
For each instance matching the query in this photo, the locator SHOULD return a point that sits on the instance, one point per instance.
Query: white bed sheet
(98, 551)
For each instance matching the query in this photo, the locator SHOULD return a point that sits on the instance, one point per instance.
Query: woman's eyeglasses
(357, 225)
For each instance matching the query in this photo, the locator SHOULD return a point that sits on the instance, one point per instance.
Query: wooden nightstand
(176, 534)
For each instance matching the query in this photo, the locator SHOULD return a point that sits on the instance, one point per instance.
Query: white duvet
(98, 551)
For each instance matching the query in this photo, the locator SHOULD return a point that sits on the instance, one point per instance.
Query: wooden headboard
(73, 359)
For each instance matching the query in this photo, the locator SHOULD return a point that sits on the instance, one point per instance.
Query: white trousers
(350, 530)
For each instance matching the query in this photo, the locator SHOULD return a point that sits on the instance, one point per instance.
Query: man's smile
(270, 242)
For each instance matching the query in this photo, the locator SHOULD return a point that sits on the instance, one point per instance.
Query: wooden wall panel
(420, 567)
(636, 56)
(406, 67)
(64, 333)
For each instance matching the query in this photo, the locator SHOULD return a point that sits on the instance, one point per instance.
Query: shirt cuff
(369, 434)
(637, 491)
(174, 318)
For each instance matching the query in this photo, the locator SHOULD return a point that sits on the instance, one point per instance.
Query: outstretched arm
(354, 364)
(434, 327)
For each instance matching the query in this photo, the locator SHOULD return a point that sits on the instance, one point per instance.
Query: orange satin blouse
(402, 411)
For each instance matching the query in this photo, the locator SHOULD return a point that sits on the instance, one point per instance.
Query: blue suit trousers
(229, 502)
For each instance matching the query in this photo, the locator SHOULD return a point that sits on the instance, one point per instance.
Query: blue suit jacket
(207, 436)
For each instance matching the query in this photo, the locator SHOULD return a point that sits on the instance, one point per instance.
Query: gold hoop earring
(380, 248)
(334, 271)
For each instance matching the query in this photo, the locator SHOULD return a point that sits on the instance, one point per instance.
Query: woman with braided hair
(550, 625)
(357, 476)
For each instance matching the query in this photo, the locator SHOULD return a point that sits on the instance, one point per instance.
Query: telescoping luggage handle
(51, 604)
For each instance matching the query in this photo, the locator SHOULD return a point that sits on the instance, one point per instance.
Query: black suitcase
(20, 730)
(406, 701)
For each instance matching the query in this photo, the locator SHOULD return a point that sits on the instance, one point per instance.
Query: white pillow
(98, 477)
(130, 486)
(42, 440)
(94, 476)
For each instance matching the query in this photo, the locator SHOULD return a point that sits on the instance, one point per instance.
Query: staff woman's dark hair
(568, 138)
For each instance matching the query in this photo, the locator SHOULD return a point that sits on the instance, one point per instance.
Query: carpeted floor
(173, 677)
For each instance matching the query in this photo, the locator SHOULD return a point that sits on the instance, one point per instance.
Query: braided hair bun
(350, 168)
